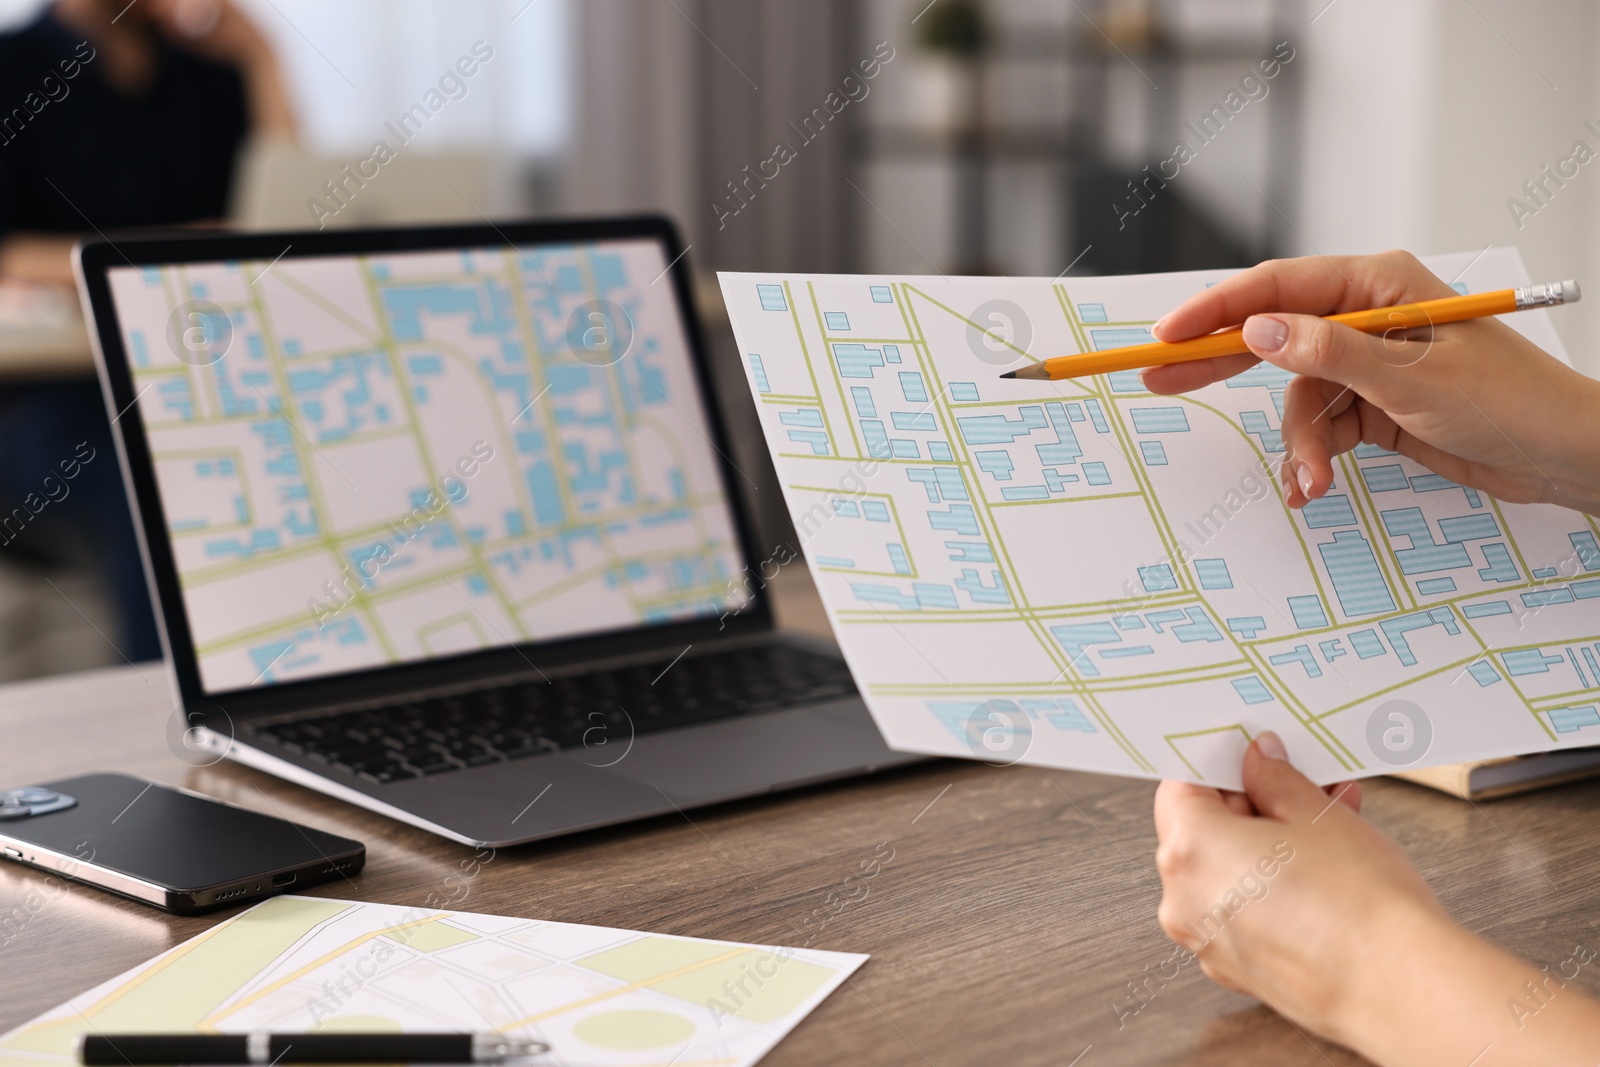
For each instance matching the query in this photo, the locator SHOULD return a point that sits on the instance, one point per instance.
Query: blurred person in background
(113, 116)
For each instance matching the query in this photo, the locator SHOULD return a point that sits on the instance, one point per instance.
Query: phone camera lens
(32, 800)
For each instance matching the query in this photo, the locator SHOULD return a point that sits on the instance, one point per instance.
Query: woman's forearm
(1574, 417)
(1437, 994)
(37, 257)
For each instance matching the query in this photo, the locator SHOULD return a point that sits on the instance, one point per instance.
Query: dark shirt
(76, 156)
(96, 158)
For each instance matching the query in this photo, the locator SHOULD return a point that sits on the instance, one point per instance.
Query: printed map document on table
(597, 996)
(1081, 574)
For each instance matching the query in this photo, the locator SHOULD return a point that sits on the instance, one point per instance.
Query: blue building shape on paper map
(1483, 673)
(1066, 450)
(1396, 629)
(758, 373)
(1252, 689)
(995, 462)
(1571, 720)
(1213, 573)
(1307, 612)
(1385, 479)
(1160, 420)
(1247, 626)
(772, 297)
(1077, 638)
(972, 721)
(1367, 644)
(999, 430)
(1120, 338)
(1255, 423)
(1499, 566)
(1326, 511)
(1587, 548)
(809, 431)
(1300, 654)
(1529, 661)
(1425, 554)
(857, 360)
(1459, 528)
(1353, 569)
(1157, 578)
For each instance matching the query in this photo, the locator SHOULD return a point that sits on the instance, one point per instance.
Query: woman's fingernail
(1159, 326)
(1270, 745)
(1304, 478)
(1263, 333)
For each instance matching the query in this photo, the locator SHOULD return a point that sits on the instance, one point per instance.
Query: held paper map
(1081, 574)
(599, 997)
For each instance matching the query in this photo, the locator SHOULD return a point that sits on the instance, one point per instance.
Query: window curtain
(674, 99)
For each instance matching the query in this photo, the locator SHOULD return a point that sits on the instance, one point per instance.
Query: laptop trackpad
(749, 755)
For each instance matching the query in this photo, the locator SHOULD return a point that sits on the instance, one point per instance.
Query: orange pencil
(1378, 320)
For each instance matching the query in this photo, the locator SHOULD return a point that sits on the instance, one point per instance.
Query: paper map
(1081, 574)
(598, 996)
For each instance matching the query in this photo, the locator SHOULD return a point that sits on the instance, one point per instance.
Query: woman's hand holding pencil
(1472, 400)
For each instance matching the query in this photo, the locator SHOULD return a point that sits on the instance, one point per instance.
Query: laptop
(443, 523)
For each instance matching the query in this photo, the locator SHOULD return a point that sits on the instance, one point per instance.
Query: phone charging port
(281, 880)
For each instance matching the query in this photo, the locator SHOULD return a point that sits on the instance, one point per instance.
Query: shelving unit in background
(1088, 55)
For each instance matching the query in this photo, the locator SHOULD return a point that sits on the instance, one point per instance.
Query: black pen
(138, 1050)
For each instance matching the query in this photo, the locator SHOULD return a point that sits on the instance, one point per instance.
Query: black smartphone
(178, 850)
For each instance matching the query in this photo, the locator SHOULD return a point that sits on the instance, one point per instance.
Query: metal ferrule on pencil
(1547, 295)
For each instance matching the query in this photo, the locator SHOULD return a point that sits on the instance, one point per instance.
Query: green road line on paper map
(986, 520)
(827, 348)
(811, 370)
(980, 504)
(913, 324)
(1172, 738)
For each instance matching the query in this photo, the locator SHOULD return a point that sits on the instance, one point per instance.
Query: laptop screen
(386, 458)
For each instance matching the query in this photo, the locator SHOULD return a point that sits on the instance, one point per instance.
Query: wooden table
(1017, 905)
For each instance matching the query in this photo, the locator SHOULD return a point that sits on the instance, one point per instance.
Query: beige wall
(1424, 117)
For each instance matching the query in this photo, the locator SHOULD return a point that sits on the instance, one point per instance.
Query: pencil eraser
(1570, 293)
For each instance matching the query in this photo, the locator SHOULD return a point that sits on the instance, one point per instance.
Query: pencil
(1378, 320)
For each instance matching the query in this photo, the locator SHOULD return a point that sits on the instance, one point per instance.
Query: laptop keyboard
(598, 710)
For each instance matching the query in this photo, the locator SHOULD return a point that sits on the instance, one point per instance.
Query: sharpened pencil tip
(1032, 372)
